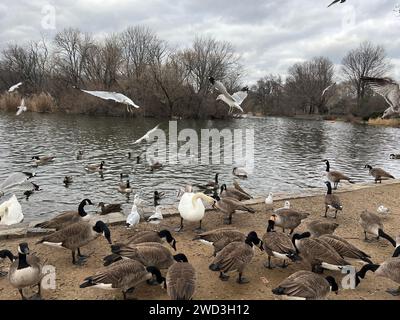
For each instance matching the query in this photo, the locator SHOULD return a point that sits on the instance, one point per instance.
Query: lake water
(288, 154)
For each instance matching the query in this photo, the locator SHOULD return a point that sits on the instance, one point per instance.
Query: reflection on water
(288, 154)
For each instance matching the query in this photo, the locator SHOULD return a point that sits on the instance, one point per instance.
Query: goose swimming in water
(95, 167)
(40, 161)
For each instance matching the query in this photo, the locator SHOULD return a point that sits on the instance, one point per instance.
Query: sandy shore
(209, 286)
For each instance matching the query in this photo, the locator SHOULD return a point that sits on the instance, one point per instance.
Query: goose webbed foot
(36, 296)
(179, 229)
(242, 280)
(223, 276)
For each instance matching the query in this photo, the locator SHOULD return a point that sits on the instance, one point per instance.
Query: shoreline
(355, 199)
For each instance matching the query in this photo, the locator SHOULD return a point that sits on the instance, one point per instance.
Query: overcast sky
(270, 35)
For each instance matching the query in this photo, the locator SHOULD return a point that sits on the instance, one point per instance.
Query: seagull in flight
(118, 97)
(233, 101)
(389, 90)
(15, 87)
(147, 135)
(336, 1)
(21, 108)
(327, 89)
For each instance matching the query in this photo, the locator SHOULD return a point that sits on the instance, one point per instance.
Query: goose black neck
(216, 178)
(271, 225)
(249, 241)
(6, 254)
(22, 263)
(81, 209)
(328, 166)
(384, 235)
(396, 252)
(366, 268)
(329, 189)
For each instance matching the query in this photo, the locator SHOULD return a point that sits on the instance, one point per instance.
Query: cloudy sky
(270, 35)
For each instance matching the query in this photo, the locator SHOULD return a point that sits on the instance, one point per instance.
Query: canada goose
(125, 275)
(372, 223)
(123, 175)
(30, 192)
(95, 167)
(40, 161)
(25, 271)
(154, 164)
(383, 210)
(332, 201)
(77, 235)
(149, 253)
(133, 218)
(156, 217)
(335, 176)
(192, 209)
(153, 236)
(181, 279)
(233, 193)
(278, 245)
(389, 269)
(378, 173)
(211, 185)
(67, 180)
(66, 218)
(239, 172)
(228, 206)
(237, 186)
(289, 218)
(106, 209)
(220, 238)
(157, 197)
(306, 285)
(235, 257)
(318, 228)
(10, 211)
(125, 187)
(270, 199)
(317, 253)
(344, 248)
(4, 254)
(394, 156)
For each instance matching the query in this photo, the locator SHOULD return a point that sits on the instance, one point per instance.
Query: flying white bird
(389, 90)
(21, 108)
(118, 97)
(328, 88)
(15, 87)
(336, 1)
(147, 135)
(16, 179)
(233, 101)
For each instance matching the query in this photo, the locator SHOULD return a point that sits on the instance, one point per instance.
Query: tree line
(169, 82)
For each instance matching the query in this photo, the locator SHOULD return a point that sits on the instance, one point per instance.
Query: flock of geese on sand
(142, 257)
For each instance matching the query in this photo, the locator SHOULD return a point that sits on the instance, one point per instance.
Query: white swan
(192, 209)
(134, 218)
(270, 199)
(10, 211)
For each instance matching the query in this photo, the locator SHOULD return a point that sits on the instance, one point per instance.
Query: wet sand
(209, 286)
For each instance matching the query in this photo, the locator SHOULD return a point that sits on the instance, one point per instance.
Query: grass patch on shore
(385, 122)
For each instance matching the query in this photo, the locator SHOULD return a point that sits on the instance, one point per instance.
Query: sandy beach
(68, 276)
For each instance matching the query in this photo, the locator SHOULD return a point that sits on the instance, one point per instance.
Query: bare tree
(366, 60)
(268, 94)
(72, 49)
(306, 82)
